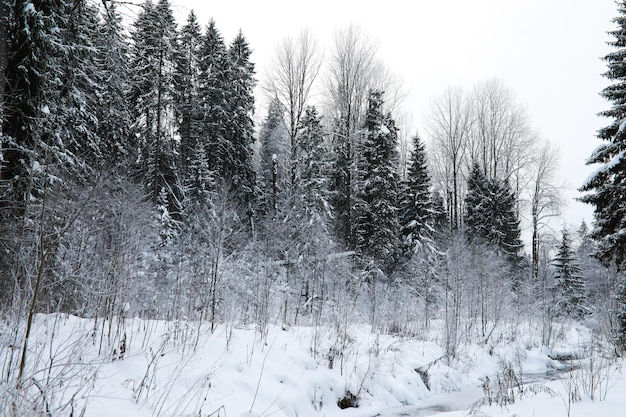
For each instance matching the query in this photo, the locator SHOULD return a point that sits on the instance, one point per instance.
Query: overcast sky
(547, 51)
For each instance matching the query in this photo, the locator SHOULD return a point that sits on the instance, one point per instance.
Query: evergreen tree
(569, 284)
(271, 156)
(478, 216)
(342, 182)
(376, 225)
(606, 187)
(114, 112)
(508, 235)
(213, 92)
(440, 219)
(188, 106)
(416, 205)
(490, 216)
(238, 168)
(76, 83)
(152, 95)
(312, 164)
(32, 39)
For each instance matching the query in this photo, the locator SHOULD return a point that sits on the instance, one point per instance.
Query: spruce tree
(508, 233)
(312, 164)
(376, 223)
(213, 95)
(188, 107)
(240, 130)
(77, 84)
(33, 37)
(152, 95)
(416, 205)
(490, 215)
(114, 113)
(606, 187)
(478, 216)
(271, 157)
(569, 283)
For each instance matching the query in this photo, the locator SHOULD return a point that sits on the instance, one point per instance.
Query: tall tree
(77, 102)
(240, 134)
(114, 111)
(606, 187)
(188, 107)
(376, 224)
(32, 39)
(213, 90)
(295, 67)
(569, 283)
(544, 196)
(353, 69)
(501, 138)
(152, 95)
(449, 125)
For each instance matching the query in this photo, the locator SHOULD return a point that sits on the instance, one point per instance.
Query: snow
(182, 369)
(605, 168)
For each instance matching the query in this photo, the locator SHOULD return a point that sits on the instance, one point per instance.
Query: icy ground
(177, 369)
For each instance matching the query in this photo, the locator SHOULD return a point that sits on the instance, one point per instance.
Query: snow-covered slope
(158, 368)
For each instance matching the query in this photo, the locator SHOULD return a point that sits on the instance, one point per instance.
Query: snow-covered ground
(179, 369)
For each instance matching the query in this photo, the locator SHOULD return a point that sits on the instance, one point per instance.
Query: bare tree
(502, 140)
(544, 196)
(291, 78)
(449, 125)
(352, 72)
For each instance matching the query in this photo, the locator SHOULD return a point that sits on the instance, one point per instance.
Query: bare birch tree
(502, 141)
(449, 124)
(544, 196)
(291, 79)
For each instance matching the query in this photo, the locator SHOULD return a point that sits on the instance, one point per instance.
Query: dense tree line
(132, 183)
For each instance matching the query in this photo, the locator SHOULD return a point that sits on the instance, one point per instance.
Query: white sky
(547, 51)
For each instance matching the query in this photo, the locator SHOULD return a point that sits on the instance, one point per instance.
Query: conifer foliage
(607, 185)
(152, 97)
(416, 204)
(569, 283)
(490, 215)
(377, 225)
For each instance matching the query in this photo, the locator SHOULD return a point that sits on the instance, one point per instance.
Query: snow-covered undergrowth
(157, 368)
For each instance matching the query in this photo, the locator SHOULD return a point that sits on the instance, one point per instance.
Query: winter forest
(153, 180)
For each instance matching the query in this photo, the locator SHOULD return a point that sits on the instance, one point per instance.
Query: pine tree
(569, 284)
(376, 225)
(416, 205)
